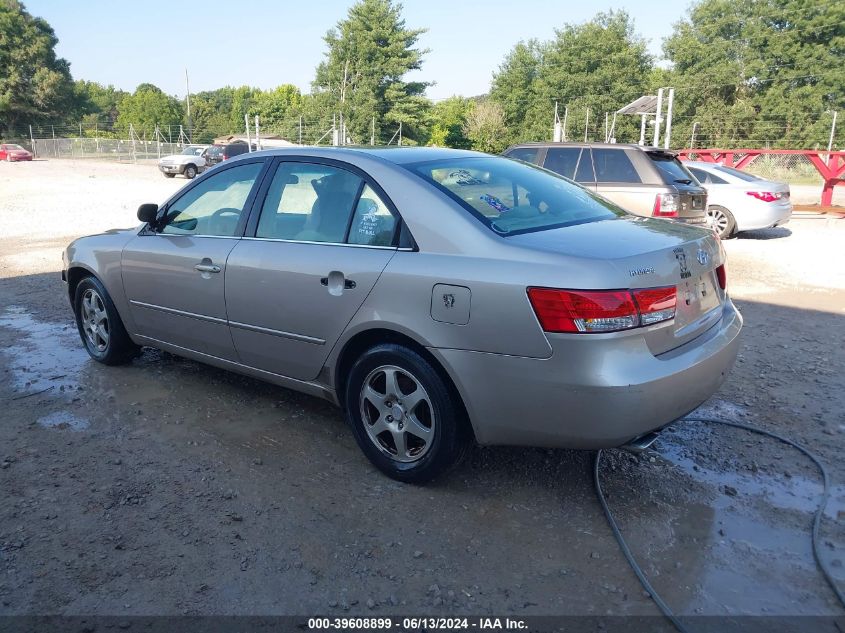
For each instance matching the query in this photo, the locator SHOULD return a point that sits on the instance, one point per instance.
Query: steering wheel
(218, 217)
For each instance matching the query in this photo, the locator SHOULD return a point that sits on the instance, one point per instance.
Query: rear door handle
(208, 268)
(348, 284)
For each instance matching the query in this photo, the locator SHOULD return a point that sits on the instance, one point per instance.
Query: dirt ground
(169, 487)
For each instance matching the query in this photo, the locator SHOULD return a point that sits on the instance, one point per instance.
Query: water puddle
(43, 355)
(63, 420)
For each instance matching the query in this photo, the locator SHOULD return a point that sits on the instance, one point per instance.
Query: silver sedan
(438, 296)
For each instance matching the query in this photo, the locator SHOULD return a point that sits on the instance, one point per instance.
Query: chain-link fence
(131, 151)
(795, 169)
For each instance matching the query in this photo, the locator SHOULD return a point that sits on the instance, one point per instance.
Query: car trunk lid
(649, 253)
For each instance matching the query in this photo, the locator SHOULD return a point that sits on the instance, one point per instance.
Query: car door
(323, 237)
(174, 275)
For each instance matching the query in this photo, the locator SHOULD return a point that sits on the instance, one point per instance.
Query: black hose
(817, 519)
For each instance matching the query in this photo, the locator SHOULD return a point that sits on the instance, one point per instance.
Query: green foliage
(369, 54)
(485, 127)
(448, 118)
(277, 108)
(35, 85)
(147, 108)
(754, 71)
(598, 66)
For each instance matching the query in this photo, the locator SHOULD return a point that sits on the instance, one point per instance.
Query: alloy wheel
(95, 320)
(397, 413)
(719, 221)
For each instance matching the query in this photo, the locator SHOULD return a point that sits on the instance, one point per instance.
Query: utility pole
(248, 141)
(300, 129)
(586, 124)
(668, 138)
(830, 142)
(692, 136)
(565, 118)
(188, 105)
(556, 129)
(373, 132)
(400, 134)
(257, 135)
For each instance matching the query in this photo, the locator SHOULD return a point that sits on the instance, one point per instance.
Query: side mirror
(148, 213)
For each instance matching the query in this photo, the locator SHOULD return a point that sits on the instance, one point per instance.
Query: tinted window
(213, 206)
(742, 175)
(511, 197)
(528, 154)
(614, 165)
(309, 202)
(670, 167)
(707, 177)
(572, 162)
(372, 223)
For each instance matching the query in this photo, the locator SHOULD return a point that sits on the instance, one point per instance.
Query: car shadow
(765, 234)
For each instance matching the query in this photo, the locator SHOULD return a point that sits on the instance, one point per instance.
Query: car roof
(644, 148)
(396, 155)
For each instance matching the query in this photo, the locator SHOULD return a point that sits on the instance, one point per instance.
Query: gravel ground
(169, 487)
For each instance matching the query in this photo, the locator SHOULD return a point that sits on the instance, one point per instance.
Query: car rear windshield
(511, 197)
(671, 167)
(742, 175)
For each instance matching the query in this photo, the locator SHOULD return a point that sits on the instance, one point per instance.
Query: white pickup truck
(189, 163)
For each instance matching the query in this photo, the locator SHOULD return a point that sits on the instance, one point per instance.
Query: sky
(267, 43)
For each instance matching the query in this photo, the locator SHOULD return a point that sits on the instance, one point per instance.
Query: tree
(369, 54)
(277, 108)
(759, 72)
(448, 118)
(147, 108)
(594, 67)
(485, 127)
(515, 83)
(95, 104)
(34, 83)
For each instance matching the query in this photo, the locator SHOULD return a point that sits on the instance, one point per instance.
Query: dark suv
(218, 153)
(646, 181)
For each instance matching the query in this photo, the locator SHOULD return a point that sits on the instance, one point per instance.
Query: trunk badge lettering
(646, 270)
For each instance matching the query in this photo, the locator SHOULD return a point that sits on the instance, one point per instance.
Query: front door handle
(208, 268)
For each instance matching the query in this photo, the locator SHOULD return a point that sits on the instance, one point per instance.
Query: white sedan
(738, 201)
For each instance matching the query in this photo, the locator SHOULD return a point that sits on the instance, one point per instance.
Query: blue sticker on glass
(494, 202)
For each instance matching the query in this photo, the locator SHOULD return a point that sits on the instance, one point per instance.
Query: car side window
(372, 224)
(613, 165)
(309, 202)
(700, 175)
(527, 154)
(716, 180)
(214, 206)
(573, 162)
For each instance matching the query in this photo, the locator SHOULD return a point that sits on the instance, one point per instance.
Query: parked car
(646, 181)
(436, 295)
(219, 153)
(12, 153)
(190, 162)
(738, 201)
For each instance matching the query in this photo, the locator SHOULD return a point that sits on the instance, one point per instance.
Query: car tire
(102, 332)
(190, 171)
(722, 221)
(166, 175)
(429, 426)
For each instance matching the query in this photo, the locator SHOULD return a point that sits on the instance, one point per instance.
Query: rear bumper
(595, 391)
(763, 215)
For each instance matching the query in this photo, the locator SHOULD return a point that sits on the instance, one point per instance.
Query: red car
(10, 152)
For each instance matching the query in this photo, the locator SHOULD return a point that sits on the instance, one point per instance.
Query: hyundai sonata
(438, 296)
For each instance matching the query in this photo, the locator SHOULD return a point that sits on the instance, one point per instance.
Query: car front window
(511, 197)
(213, 207)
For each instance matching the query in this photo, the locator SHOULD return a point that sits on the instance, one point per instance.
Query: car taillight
(765, 196)
(591, 311)
(722, 275)
(666, 205)
(223, 157)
